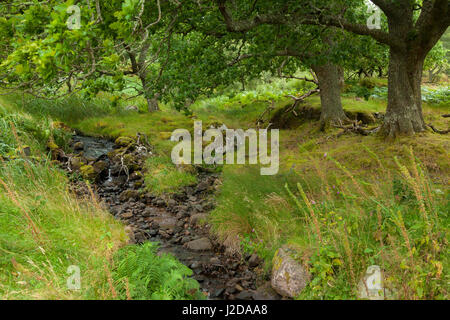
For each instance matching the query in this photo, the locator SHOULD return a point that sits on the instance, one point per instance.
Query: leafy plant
(142, 274)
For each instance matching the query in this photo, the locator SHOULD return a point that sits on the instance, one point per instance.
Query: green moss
(124, 141)
(88, 172)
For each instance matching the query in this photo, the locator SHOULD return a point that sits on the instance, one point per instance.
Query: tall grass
(44, 229)
(399, 224)
(340, 224)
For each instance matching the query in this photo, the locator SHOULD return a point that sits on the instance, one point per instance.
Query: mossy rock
(52, 146)
(129, 194)
(88, 172)
(76, 163)
(136, 175)
(116, 152)
(100, 166)
(124, 141)
(24, 150)
(61, 125)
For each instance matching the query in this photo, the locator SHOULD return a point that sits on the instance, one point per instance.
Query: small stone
(202, 186)
(244, 295)
(230, 290)
(78, 146)
(218, 293)
(128, 195)
(197, 218)
(214, 260)
(253, 261)
(289, 277)
(127, 215)
(202, 244)
(239, 288)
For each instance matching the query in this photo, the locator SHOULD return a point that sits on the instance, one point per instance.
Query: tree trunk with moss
(329, 76)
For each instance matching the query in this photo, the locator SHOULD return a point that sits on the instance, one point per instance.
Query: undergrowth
(141, 274)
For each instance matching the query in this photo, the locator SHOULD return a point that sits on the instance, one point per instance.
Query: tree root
(437, 130)
(355, 127)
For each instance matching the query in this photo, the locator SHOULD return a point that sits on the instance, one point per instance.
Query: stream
(173, 220)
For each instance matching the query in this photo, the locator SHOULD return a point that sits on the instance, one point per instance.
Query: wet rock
(202, 186)
(266, 292)
(78, 146)
(167, 223)
(289, 277)
(202, 244)
(185, 239)
(230, 290)
(99, 166)
(127, 215)
(160, 202)
(149, 212)
(244, 295)
(136, 176)
(218, 293)
(171, 203)
(129, 194)
(76, 163)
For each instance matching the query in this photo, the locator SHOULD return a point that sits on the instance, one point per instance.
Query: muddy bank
(177, 221)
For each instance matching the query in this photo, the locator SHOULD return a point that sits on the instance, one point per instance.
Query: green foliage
(148, 276)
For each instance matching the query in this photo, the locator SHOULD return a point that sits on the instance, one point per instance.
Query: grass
(163, 176)
(46, 231)
(343, 202)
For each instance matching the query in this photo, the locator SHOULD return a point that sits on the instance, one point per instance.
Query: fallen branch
(267, 110)
(298, 100)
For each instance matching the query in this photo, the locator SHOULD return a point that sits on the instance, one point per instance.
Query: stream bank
(176, 221)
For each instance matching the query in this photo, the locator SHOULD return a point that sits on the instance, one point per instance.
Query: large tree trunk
(329, 76)
(152, 103)
(404, 111)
